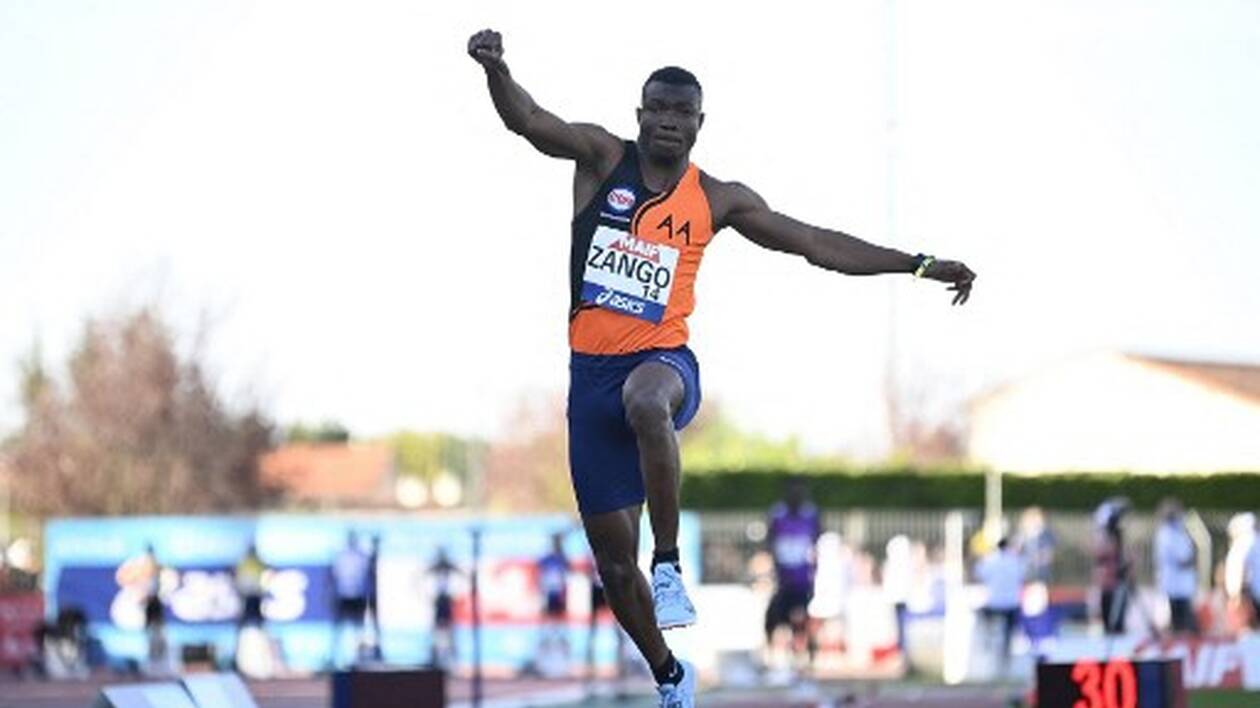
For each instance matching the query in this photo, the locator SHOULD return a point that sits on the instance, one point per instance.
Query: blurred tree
(134, 429)
(328, 431)
(528, 468)
(924, 429)
(714, 442)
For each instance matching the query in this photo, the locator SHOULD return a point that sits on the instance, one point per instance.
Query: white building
(1122, 412)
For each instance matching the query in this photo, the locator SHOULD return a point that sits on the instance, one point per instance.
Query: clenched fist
(486, 47)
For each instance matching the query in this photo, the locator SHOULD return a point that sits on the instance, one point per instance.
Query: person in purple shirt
(553, 583)
(792, 532)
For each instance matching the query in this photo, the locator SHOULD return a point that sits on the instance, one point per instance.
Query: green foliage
(714, 442)
(328, 431)
(723, 446)
(425, 455)
(904, 488)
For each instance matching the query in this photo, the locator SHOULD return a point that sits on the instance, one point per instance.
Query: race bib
(793, 551)
(629, 275)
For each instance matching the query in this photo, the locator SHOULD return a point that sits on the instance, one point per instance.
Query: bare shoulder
(604, 148)
(727, 198)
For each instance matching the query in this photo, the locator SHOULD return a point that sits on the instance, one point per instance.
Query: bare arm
(736, 205)
(587, 144)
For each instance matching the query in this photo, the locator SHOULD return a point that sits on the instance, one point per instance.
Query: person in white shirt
(351, 569)
(1251, 586)
(1002, 573)
(1242, 534)
(1175, 566)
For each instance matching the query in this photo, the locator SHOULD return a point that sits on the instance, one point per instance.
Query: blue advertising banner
(97, 566)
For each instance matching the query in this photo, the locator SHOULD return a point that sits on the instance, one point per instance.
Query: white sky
(330, 183)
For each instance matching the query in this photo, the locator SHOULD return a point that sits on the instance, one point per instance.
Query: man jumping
(643, 215)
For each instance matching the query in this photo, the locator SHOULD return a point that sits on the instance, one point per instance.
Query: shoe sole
(679, 624)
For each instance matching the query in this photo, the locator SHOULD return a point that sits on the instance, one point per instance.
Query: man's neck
(658, 175)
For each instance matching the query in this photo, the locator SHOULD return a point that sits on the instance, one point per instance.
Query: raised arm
(588, 144)
(734, 204)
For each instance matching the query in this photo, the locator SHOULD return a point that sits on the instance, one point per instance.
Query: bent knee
(647, 412)
(616, 573)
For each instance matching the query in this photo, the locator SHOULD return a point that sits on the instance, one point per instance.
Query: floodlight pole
(476, 617)
(891, 384)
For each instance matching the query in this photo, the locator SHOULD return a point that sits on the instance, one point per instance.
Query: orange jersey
(634, 259)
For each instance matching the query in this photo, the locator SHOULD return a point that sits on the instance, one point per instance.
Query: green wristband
(924, 263)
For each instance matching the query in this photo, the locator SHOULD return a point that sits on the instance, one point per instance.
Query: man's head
(1111, 513)
(670, 114)
(1170, 510)
(795, 492)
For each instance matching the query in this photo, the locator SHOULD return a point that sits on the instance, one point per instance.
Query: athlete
(643, 215)
(792, 537)
(553, 584)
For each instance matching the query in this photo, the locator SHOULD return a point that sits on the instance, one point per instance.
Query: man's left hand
(956, 274)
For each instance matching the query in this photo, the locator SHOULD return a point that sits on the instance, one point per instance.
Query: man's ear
(638, 115)
(701, 123)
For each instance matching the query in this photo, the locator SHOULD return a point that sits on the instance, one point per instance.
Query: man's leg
(614, 539)
(652, 395)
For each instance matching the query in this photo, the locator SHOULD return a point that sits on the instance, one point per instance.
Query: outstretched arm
(736, 205)
(587, 144)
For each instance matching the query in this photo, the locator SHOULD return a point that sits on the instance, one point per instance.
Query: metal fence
(730, 539)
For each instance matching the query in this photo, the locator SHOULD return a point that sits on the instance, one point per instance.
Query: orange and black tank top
(633, 262)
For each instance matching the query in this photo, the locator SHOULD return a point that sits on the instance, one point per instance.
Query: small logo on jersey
(608, 298)
(621, 199)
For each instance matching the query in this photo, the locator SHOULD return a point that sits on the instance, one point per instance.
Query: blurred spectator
(63, 645)
(373, 595)
(1112, 564)
(553, 585)
(350, 572)
(1175, 566)
(791, 536)
(1002, 572)
(143, 585)
(257, 654)
(443, 643)
(248, 576)
(1036, 545)
(1252, 575)
(147, 574)
(18, 569)
(897, 578)
(834, 578)
(1242, 533)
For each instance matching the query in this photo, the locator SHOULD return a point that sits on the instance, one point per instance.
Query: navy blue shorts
(603, 451)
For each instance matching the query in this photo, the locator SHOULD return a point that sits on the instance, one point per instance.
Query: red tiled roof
(1242, 380)
(332, 472)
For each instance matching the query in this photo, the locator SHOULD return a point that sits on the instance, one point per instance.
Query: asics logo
(616, 301)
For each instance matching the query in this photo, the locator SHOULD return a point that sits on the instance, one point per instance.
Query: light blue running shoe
(683, 693)
(673, 607)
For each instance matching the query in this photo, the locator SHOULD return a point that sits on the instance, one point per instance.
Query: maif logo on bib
(621, 199)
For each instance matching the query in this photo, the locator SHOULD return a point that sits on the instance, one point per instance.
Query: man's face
(669, 120)
(796, 494)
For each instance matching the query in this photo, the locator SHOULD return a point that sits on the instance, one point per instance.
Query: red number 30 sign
(1109, 685)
